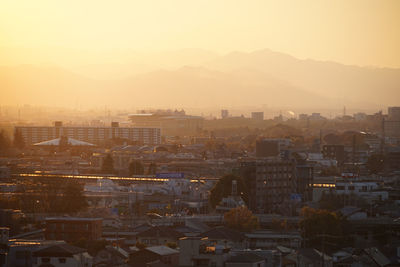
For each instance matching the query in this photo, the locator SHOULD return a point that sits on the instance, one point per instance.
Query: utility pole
(383, 137)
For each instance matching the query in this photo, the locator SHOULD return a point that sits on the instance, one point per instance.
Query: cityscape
(231, 154)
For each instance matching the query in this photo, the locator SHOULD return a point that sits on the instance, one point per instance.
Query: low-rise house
(226, 237)
(159, 235)
(365, 257)
(267, 239)
(163, 254)
(271, 257)
(245, 260)
(111, 256)
(20, 251)
(112, 222)
(310, 257)
(62, 255)
(197, 251)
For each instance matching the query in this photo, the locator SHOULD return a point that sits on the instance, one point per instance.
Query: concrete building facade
(91, 134)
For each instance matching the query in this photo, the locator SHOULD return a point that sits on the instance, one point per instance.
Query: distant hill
(343, 83)
(187, 86)
(236, 79)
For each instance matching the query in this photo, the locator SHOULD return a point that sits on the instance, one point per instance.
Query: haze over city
(200, 54)
(209, 133)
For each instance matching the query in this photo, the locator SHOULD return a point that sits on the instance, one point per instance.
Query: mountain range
(199, 78)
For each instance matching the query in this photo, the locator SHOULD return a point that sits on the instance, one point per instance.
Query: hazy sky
(359, 32)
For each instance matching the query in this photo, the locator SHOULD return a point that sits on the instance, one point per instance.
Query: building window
(45, 260)
(62, 260)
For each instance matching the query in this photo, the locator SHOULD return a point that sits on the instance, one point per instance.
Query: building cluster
(148, 191)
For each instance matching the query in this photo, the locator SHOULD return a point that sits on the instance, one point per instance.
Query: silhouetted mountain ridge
(261, 77)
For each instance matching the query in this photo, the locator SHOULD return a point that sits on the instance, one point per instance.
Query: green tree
(73, 198)
(108, 165)
(136, 168)
(322, 227)
(223, 188)
(376, 163)
(53, 195)
(18, 141)
(241, 219)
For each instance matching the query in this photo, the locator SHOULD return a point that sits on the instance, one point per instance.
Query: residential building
(171, 122)
(158, 235)
(111, 256)
(20, 251)
(245, 260)
(91, 134)
(62, 255)
(163, 254)
(268, 239)
(306, 257)
(197, 251)
(73, 229)
(273, 183)
(370, 191)
(225, 237)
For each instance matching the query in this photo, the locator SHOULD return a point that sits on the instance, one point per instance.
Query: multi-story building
(370, 191)
(171, 122)
(91, 134)
(392, 123)
(257, 116)
(73, 229)
(275, 185)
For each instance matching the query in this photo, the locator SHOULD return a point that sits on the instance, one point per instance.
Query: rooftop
(162, 250)
(57, 141)
(63, 250)
(246, 258)
(73, 219)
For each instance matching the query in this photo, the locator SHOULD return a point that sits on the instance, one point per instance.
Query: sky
(359, 32)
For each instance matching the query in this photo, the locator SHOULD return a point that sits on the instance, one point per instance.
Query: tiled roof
(160, 231)
(61, 250)
(222, 232)
(246, 258)
(162, 250)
